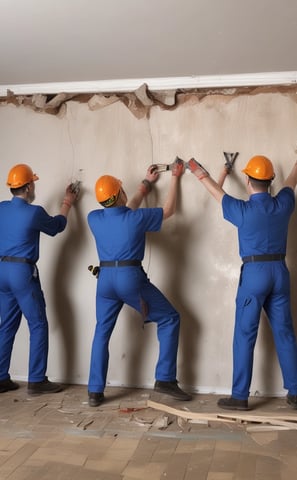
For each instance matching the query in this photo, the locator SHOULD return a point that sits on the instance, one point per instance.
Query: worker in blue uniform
(262, 224)
(20, 291)
(119, 231)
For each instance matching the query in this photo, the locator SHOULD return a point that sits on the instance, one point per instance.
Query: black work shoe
(38, 388)
(95, 399)
(172, 389)
(7, 385)
(233, 404)
(292, 400)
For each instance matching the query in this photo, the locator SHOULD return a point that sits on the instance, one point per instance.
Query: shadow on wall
(174, 246)
(175, 262)
(73, 241)
(269, 362)
(292, 263)
(139, 336)
(178, 263)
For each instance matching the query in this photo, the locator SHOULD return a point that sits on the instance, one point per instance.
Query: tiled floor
(59, 437)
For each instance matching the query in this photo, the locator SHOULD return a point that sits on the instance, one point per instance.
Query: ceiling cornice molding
(154, 84)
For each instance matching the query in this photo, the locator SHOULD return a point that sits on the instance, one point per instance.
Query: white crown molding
(154, 84)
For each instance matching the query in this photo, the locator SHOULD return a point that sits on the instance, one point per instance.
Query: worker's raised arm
(169, 206)
(208, 182)
(228, 167)
(222, 177)
(291, 180)
(144, 188)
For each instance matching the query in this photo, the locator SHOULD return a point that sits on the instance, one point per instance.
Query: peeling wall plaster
(139, 102)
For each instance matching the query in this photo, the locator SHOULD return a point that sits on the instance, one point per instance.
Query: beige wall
(194, 259)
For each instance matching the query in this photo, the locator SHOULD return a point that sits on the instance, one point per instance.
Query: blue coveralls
(262, 224)
(120, 235)
(20, 289)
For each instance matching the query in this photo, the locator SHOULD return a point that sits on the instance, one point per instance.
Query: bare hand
(70, 195)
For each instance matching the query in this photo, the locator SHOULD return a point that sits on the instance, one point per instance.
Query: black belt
(120, 263)
(264, 258)
(17, 260)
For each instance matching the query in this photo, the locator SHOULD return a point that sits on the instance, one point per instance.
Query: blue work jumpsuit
(120, 235)
(20, 289)
(262, 224)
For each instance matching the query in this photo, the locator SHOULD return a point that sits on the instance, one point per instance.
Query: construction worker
(262, 224)
(20, 291)
(119, 230)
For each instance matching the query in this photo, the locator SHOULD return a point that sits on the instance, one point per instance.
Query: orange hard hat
(260, 168)
(19, 175)
(107, 189)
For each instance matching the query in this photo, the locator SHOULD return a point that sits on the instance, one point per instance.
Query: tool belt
(120, 263)
(17, 260)
(264, 258)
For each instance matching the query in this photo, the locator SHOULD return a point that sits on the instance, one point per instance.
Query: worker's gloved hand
(193, 165)
(230, 159)
(75, 187)
(198, 169)
(152, 174)
(228, 166)
(178, 167)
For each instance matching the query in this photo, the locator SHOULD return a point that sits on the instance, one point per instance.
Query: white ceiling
(44, 41)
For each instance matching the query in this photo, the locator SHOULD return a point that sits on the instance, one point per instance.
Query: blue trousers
(21, 294)
(129, 285)
(263, 285)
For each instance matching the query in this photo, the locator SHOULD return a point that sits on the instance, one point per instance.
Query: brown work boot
(232, 403)
(8, 385)
(39, 388)
(172, 389)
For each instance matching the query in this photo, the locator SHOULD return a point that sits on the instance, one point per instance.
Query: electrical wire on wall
(160, 167)
(148, 245)
(76, 171)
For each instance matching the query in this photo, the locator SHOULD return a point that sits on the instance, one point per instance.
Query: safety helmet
(19, 175)
(107, 189)
(260, 168)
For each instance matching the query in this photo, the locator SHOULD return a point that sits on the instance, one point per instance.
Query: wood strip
(286, 421)
(184, 413)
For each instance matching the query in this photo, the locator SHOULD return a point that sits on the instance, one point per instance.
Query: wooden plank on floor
(278, 420)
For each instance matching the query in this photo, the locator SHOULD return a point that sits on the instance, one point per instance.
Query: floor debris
(286, 421)
(68, 439)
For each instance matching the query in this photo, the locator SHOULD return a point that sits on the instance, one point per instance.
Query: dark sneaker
(233, 404)
(95, 399)
(292, 401)
(38, 388)
(172, 389)
(7, 385)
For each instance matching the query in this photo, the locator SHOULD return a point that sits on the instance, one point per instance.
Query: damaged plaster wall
(194, 259)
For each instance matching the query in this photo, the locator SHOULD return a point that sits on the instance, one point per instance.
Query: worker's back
(120, 232)
(262, 221)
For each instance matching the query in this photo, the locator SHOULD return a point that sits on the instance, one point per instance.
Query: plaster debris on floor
(140, 434)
